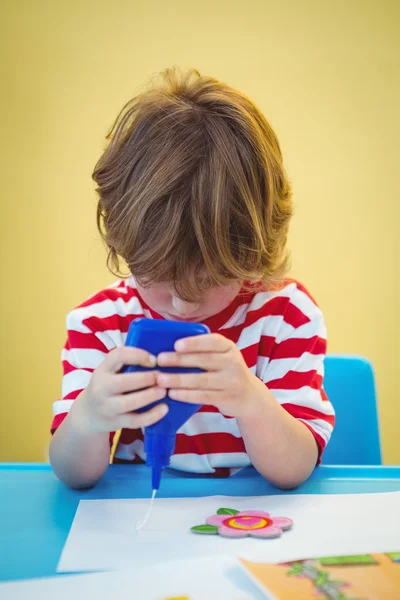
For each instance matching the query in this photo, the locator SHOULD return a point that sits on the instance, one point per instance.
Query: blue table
(37, 510)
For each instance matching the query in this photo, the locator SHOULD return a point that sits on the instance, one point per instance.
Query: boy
(194, 197)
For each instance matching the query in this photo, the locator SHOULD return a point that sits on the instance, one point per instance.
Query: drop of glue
(143, 522)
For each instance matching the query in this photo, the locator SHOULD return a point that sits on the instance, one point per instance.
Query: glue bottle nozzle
(156, 477)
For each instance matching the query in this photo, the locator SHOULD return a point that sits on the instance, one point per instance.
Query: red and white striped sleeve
(84, 350)
(294, 371)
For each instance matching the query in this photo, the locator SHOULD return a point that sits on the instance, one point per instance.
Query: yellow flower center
(249, 522)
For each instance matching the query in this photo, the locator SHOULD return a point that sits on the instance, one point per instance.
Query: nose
(184, 308)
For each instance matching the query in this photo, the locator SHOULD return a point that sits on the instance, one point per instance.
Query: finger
(136, 400)
(210, 381)
(208, 361)
(127, 355)
(210, 342)
(196, 396)
(137, 421)
(120, 383)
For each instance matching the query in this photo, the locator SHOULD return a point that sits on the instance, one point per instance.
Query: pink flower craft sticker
(229, 522)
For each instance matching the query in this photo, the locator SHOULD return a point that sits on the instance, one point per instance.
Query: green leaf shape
(395, 556)
(205, 529)
(227, 511)
(355, 559)
(322, 578)
(296, 569)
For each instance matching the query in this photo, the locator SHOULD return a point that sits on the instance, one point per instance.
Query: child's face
(163, 301)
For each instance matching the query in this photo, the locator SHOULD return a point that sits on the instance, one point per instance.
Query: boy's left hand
(226, 383)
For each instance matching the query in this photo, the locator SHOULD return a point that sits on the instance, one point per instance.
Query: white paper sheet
(103, 534)
(213, 578)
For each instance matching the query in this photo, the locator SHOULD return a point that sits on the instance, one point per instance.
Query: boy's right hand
(108, 402)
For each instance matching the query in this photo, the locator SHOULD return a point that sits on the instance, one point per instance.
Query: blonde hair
(192, 189)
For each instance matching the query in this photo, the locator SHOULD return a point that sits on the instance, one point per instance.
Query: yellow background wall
(326, 74)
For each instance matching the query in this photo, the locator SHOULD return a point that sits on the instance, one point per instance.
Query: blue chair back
(350, 385)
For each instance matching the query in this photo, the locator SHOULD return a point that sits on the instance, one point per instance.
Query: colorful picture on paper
(366, 577)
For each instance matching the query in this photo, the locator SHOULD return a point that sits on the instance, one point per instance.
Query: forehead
(209, 291)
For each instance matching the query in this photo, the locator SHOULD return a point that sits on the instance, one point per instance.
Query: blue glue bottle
(156, 336)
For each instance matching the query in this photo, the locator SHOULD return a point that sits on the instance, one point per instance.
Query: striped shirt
(281, 335)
